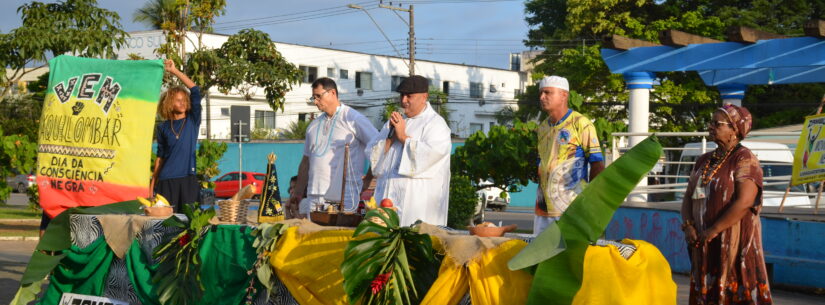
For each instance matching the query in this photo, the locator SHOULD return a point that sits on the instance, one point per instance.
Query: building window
(302, 117)
(224, 111)
(516, 92)
(363, 80)
(445, 87)
(343, 74)
(491, 125)
(264, 119)
(476, 127)
(476, 90)
(396, 80)
(331, 72)
(310, 73)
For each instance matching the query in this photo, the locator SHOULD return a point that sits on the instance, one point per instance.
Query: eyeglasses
(716, 124)
(318, 96)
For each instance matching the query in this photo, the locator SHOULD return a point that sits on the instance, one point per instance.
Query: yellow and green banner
(809, 160)
(95, 138)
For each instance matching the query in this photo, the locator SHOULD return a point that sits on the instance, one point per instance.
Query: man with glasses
(567, 146)
(322, 168)
(411, 157)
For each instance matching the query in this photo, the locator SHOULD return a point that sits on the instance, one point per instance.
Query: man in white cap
(568, 145)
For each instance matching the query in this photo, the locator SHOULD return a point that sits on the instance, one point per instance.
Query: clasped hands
(697, 239)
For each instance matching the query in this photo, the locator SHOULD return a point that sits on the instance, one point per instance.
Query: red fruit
(386, 203)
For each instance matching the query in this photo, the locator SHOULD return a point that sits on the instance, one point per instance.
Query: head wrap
(740, 118)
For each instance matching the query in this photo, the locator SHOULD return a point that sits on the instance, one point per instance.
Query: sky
(472, 32)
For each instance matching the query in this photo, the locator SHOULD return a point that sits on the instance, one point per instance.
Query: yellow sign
(809, 159)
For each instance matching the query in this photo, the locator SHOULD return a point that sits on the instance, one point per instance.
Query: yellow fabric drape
(309, 266)
(609, 278)
(492, 283)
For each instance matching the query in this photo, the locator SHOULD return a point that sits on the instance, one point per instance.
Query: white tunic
(415, 175)
(326, 138)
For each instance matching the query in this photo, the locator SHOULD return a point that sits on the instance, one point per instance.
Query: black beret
(414, 84)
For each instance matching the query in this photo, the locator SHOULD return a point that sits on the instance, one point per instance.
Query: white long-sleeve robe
(415, 175)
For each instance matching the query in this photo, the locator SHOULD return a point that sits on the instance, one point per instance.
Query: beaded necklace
(705, 177)
(314, 152)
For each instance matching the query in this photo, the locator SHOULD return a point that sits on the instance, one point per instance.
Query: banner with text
(809, 158)
(95, 138)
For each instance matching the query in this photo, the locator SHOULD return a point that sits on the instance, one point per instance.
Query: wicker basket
(233, 211)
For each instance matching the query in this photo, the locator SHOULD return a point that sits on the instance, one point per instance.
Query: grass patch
(22, 212)
(30, 233)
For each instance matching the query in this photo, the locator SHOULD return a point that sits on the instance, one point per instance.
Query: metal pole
(411, 24)
(240, 124)
(412, 42)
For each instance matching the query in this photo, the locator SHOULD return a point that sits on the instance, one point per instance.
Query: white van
(777, 163)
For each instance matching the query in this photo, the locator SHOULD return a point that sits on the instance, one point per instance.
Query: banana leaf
(558, 275)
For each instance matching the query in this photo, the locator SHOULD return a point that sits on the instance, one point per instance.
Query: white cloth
(415, 175)
(542, 222)
(326, 154)
(309, 204)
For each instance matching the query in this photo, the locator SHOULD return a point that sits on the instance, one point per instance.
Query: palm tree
(158, 14)
(296, 131)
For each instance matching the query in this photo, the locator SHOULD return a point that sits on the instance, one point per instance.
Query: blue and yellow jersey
(572, 143)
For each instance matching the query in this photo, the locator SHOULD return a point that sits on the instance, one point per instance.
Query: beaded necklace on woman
(717, 164)
(329, 126)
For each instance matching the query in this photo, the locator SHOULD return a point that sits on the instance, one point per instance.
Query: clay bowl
(491, 231)
(158, 211)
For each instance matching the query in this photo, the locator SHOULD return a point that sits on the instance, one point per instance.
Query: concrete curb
(19, 238)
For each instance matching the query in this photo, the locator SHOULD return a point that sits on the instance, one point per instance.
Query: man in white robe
(411, 158)
(321, 171)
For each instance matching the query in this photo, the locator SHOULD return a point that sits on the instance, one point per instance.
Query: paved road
(18, 199)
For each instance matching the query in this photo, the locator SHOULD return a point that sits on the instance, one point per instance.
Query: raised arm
(169, 66)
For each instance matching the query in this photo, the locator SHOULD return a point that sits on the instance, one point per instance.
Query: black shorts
(179, 191)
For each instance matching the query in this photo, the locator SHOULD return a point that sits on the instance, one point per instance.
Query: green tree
(505, 156)
(209, 153)
(16, 156)
(463, 200)
(67, 27)
(247, 60)
(159, 14)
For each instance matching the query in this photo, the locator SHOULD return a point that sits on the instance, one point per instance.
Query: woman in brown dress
(720, 214)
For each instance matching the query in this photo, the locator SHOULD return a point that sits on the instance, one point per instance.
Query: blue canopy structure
(773, 61)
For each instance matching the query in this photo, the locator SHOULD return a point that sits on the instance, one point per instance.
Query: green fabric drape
(226, 255)
(140, 274)
(58, 237)
(82, 271)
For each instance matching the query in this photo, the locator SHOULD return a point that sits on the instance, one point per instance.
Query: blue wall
(795, 249)
(289, 157)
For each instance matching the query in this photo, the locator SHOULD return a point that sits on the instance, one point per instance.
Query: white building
(365, 82)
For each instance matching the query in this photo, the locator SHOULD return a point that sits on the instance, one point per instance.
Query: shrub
(463, 201)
